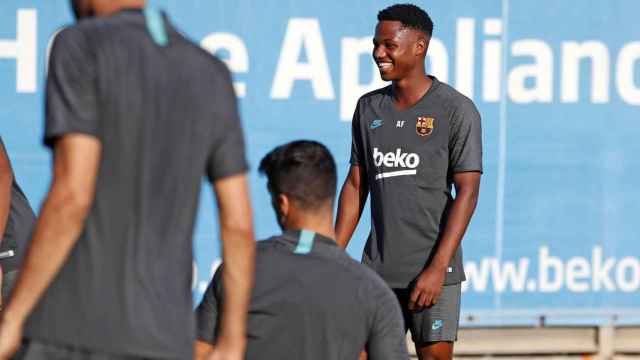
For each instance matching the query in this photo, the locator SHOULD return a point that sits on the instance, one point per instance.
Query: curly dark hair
(411, 16)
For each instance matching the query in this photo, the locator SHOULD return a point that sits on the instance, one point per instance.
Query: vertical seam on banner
(155, 25)
(502, 143)
(305, 243)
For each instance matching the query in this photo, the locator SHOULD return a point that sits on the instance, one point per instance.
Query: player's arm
(76, 158)
(429, 284)
(465, 162)
(238, 253)
(201, 350)
(353, 197)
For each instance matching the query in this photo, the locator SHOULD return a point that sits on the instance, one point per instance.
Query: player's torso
(405, 147)
(303, 297)
(406, 155)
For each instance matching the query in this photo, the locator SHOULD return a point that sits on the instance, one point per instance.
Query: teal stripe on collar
(305, 243)
(155, 25)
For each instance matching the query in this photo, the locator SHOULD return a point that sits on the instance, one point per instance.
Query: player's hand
(427, 289)
(226, 351)
(10, 336)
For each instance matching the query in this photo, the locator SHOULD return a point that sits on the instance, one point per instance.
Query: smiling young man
(411, 142)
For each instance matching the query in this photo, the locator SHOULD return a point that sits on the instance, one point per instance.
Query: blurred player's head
(401, 41)
(301, 177)
(90, 8)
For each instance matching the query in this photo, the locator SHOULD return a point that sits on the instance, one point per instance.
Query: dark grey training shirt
(312, 301)
(409, 157)
(165, 116)
(20, 223)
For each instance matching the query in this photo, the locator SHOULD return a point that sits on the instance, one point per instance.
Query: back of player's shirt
(311, 301)
(17, 232)
(165, 113)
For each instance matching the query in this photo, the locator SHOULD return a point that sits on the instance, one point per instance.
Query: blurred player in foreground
(136, 115)
(411, 142)
(311, 300)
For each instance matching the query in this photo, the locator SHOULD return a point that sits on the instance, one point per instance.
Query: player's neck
(320, 223)
(408, 91)
(106, 8)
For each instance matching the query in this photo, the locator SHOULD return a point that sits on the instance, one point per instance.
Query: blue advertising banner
(557, 83)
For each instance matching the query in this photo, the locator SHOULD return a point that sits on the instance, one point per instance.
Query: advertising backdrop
(556, 230)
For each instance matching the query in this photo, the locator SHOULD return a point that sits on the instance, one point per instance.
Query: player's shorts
(35, 350)
(436, 323)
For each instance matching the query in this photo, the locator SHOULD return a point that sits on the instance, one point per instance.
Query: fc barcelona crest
(424, 125)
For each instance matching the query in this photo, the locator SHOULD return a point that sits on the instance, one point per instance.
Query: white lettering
(397, 159)
(492, 62)
(303, 33)
(24, 50)
(509, 274)
(572, 53)
(477, 276)
(389, 159)
(465, 55)
(630, 266)
(578, 269)
(546, 264)
(541, 71)
(625, 77)
(601, 272)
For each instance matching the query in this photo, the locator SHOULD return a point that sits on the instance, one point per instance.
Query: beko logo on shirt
(397, 159)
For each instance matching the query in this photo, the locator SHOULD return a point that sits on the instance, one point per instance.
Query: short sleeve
(207, 313)
(387, 335)
(70, 94)
(356, 138)
(465, 140)
(227, 156)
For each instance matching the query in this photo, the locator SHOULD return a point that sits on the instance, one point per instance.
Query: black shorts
(35, 350)
(436, 323)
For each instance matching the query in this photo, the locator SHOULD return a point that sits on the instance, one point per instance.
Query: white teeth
(384, 66)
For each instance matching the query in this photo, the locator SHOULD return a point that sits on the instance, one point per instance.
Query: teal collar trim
(305, 242)
(155, 25)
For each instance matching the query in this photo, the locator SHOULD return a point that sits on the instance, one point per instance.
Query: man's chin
(385, 76)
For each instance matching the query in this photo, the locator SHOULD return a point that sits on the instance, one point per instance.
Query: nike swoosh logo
(376, 124)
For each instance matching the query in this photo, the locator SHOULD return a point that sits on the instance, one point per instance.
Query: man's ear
(284, 205)
(421, 46)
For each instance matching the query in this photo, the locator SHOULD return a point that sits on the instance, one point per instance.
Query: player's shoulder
(198, 53)
(374, 96)
(265, 245)
(453, 99)
(208, 64)
(72, 35)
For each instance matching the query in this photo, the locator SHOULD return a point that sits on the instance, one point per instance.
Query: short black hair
(304, 170)
(411, 16)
